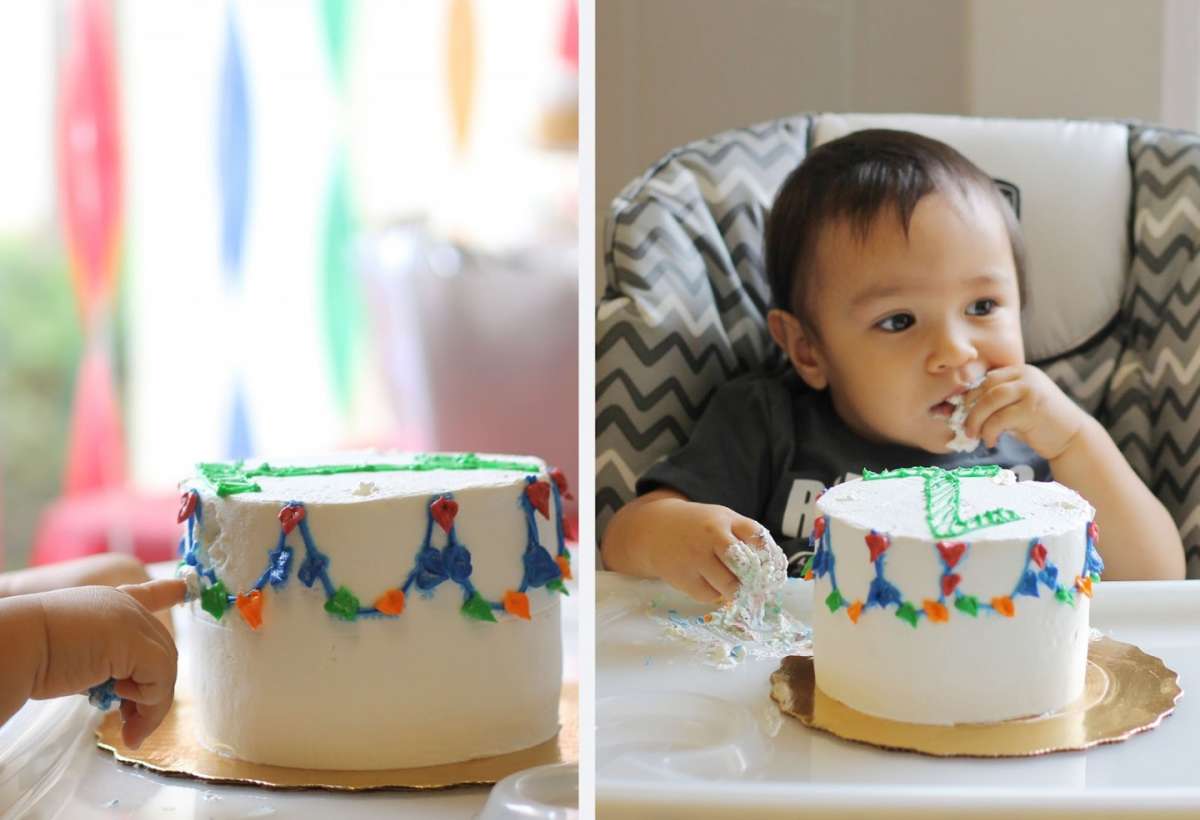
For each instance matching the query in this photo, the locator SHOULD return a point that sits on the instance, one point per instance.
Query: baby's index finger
(157, 595)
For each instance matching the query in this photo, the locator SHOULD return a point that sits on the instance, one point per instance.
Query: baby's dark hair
(855, 178)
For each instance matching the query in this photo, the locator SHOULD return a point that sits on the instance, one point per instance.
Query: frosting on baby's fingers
(961, 442)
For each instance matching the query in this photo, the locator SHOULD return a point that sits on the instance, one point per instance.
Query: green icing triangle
(342, 604)
(1066, 595)
(558, 586)
(215, 600)
(479, 609)
(834, 601)
(968, 604)
(906, 612)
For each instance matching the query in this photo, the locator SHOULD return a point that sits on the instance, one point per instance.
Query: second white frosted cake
(952, 597)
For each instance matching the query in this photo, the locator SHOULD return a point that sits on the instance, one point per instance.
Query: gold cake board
(174, 750)
(1126, 692)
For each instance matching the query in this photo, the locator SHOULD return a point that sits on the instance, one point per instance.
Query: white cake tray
(678, 738)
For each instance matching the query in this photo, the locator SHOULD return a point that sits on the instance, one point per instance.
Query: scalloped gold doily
(1126, 692)
(174, 750)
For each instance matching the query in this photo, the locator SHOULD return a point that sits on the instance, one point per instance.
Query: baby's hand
(1023, 401)
(96, 633)
(690, 540)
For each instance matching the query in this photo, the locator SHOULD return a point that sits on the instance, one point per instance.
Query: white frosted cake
(952, 596)
(384, 611)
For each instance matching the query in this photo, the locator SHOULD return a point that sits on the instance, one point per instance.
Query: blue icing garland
(432, 566)
(882, 593)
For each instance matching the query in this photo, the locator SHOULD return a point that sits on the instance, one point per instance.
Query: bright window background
(461, 253)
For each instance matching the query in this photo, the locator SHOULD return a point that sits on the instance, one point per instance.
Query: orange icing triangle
(250, 607)
(936, 611)
(516, 603)
(391, 602)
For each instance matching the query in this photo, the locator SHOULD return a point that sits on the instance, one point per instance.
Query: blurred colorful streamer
(89, 192)
(233, 182)
(233, 153)
(338, 290)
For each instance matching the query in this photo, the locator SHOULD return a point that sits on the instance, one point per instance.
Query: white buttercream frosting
(965, 669)
(962, 443)
(427, 687)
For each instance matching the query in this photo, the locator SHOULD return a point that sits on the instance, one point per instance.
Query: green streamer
(338, 290)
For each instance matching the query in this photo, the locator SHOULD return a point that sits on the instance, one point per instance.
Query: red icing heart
(1038, 554)
(951, 552)
(539, 495)
(818, 528)
(949, 583)
(560, 481)
(289, 517)
(187, 506)
(1094, 533)
(570, 529)
(443, 510)
(877, 543)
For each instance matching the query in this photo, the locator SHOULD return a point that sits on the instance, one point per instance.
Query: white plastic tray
(678, 738)
(50, 768)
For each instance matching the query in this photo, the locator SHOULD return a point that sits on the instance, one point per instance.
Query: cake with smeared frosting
(375, 611)
(945, 597)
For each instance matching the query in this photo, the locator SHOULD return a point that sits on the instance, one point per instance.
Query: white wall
(669, 71)
(1067, 58)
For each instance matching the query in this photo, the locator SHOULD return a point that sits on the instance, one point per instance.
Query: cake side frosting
(372, 619)
(987, 623)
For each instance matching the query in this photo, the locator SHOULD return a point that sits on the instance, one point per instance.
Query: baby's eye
(981, 307)
(896, 322)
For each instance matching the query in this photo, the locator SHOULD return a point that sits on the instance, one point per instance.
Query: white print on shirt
(800, 510)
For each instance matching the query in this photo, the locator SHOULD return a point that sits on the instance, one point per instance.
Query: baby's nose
(952, 349)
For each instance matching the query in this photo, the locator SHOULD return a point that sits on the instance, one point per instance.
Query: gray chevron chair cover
(684, 310)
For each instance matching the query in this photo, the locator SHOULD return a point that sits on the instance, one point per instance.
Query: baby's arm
(63, 642)
(1138, 538)
(664, 535)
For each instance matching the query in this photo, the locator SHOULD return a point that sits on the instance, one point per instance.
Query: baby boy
(897, 277)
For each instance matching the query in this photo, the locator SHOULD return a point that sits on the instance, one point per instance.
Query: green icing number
(230, 478)
(942, 496)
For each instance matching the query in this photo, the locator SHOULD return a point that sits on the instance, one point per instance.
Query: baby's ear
(789, 333)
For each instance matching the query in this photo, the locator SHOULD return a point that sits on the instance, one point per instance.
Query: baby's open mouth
(942, 408)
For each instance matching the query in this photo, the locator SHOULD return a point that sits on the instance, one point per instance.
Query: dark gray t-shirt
(766, 446)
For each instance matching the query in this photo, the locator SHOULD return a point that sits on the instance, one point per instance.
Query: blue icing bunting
(882, 593)
(822, 562)
(458, 562)
(1049, 576)
(313, 567)
(1093, 562)
(281, 565)
(104, 695)
(540, 568)
(431, 568)
(1027, 585)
